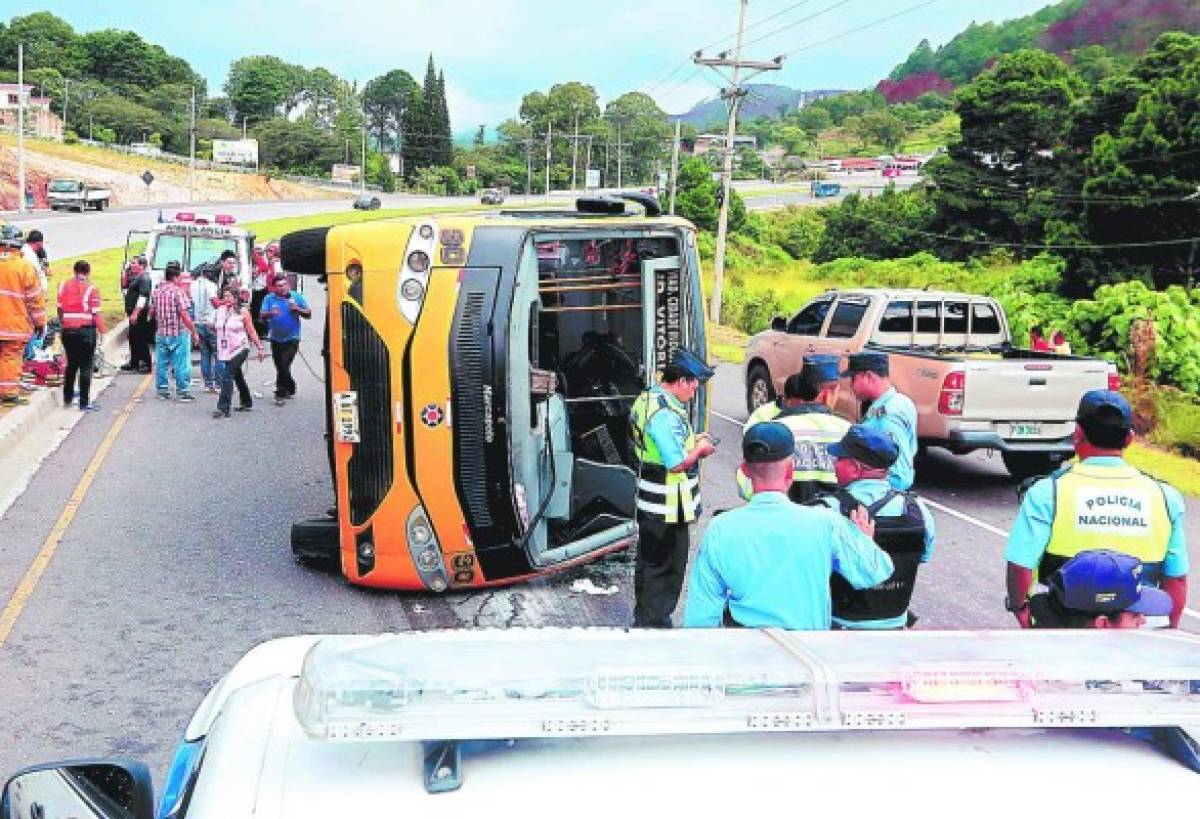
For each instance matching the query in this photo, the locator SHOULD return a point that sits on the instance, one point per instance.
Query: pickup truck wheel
(1023, 465)
(759, 389)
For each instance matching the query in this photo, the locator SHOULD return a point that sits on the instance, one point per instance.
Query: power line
(863, 27)
(723, 40)
(1021, 245)
(799, 22)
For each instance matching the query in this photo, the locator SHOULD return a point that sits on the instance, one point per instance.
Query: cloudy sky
(494, 51)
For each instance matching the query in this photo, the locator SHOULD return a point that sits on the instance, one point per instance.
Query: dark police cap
(1105, 407)
(767, 442)
(819, 369)
(866, 445)
(866, 362)
(691, 365)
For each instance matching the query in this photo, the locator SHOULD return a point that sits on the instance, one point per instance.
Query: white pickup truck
(75, 194)
(952, 354)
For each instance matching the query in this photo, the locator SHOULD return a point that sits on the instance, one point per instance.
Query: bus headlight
(412, 290)
(418, 261)
(425, 232)
(425, 551)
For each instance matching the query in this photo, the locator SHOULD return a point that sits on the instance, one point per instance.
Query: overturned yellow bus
(481, 370)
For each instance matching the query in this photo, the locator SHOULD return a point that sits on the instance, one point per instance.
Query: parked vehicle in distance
(821, 190)
(491, 196)
(367, 202)
(75, 194)
(953, 355)
(450, 723)
(891, 171)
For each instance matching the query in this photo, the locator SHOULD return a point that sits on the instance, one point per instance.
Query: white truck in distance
(74, 194)
(953, 355)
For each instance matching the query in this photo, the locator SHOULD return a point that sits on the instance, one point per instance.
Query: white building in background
(40, 121)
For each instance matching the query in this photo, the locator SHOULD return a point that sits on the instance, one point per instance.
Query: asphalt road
(177, 562)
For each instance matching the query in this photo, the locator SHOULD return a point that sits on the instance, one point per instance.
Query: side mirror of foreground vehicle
(779, 324)
(104, 789)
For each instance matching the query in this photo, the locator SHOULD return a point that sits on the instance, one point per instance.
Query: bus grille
(468, 353)
(366, 360)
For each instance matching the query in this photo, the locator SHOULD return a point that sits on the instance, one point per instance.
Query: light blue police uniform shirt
(1031, 530)
(770, 561)
(895, 415)
(867, 492)
(668, 431)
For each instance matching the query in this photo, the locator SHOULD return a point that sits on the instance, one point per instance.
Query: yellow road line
(29, 582)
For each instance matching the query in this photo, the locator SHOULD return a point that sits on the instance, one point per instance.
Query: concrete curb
(29, 434)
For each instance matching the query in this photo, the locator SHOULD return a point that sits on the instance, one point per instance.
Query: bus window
(168, 248)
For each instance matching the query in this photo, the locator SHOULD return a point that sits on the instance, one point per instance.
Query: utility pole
(20, 127)
(66, 102)
(733, 96)
(588, 167)
(575, 151)
(528, 168)
(362, 174)
(549, 136)
(619, 169)
(675, 164)
(192, 151)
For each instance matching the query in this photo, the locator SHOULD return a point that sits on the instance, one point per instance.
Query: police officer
(668, 491)
(1100, 502)
(767, 564)
(890, 411)
(808, 396)
(1099, 589)
(903, 528)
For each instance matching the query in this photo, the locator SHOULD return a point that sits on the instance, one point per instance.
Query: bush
(797, 230)
(747, 311)
(1177, 422)
(71, 138)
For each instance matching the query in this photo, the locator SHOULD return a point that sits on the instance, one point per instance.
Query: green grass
(1178, 470)
(839, 142)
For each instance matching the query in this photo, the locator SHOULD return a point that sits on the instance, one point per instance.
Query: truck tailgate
(1019, 389)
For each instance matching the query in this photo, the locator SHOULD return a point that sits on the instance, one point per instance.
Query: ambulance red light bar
(185, 216)
(224, 219)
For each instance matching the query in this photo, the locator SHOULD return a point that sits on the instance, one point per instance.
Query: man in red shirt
(79, 312)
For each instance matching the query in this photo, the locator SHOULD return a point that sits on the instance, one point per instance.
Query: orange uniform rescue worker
(22, 312)
(79, 311)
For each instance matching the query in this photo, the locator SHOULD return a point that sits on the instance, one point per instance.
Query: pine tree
(413, 134)
(445, 142)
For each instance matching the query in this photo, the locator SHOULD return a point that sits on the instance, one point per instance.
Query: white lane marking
(987, 527)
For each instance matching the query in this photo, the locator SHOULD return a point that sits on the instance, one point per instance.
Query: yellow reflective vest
(672, 496)
(813, 428)
(1117, 508)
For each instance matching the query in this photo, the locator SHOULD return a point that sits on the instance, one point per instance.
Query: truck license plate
(345, 416)
(1026, 430)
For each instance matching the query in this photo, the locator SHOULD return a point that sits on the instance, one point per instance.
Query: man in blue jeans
(282, 310)
(170, 306)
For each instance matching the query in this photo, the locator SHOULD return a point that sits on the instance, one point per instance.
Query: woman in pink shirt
(235, 332)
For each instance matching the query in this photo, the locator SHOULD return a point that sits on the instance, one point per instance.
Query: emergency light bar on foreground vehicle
(441, 687)
(219, 219)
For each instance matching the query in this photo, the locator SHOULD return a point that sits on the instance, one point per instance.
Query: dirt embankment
(121, 173)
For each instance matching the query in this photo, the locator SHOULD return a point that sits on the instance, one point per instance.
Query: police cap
(691, 365)
(867, 361)
(1100, 581)
(1105, 407)
(819, 369)
(866, 445)
(767, 442)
